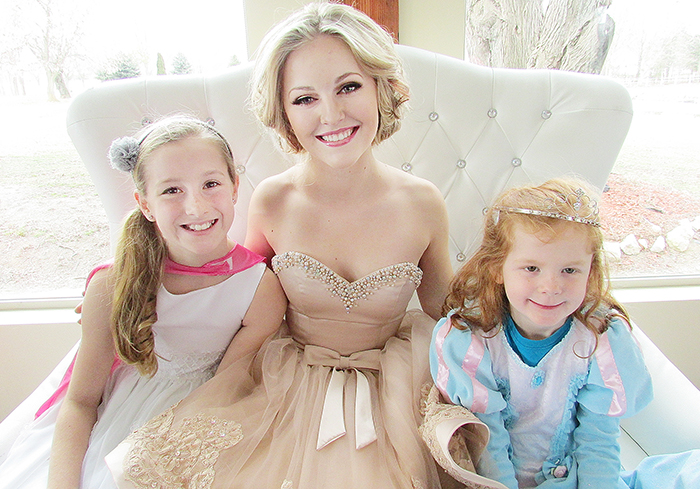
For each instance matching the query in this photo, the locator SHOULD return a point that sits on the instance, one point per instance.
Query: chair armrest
(670, 423)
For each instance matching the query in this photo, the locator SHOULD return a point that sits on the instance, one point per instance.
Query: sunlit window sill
(38, 311)
(656, 289)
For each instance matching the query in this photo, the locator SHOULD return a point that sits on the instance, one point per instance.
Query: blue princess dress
(553, 407)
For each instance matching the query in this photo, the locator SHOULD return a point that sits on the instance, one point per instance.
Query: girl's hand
(79, 310)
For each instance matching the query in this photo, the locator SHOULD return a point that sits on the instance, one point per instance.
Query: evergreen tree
(160, 65)
(123, 66)
(180, 65)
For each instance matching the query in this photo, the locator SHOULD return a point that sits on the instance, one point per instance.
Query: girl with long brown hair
(179, 300)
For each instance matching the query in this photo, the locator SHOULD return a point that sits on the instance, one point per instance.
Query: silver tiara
(575, 200)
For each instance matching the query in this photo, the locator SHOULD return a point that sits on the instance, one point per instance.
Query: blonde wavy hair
(476, 298)
(141, 249)
(371, 45)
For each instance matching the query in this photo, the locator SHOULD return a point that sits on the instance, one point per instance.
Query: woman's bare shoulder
(274, 188)
(417, 189)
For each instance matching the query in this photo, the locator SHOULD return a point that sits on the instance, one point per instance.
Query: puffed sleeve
(460, 365)
(618, 383)
(461, 368)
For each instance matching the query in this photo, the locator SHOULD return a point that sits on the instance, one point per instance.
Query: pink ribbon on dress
(332, 425)
(611, 376)
(236, 260)
(470, 365)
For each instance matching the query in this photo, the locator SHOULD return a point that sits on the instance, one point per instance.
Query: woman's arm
(259, 213)
(78, 412)
(262, 320)
(435, 262)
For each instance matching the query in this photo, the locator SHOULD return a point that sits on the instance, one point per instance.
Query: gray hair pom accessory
(123, 153)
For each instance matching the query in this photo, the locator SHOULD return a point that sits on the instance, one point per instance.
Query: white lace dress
(192, 332)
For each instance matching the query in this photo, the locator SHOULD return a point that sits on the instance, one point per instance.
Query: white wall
(31, 345)
(670, 317)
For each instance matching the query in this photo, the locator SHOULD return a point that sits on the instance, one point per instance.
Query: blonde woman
(336, 402)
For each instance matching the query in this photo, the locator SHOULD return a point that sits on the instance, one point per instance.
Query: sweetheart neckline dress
(332, 401)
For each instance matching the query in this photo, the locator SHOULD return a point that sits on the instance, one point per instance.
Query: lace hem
(163, 458)
(467, 440)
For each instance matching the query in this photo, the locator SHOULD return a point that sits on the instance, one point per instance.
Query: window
(651, 206)
(654, 188)
(54, 229)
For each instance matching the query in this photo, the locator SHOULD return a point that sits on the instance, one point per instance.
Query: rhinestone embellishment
(348, 292)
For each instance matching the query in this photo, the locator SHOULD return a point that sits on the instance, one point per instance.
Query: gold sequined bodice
(327, 310)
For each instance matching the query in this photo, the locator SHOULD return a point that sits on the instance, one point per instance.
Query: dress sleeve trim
(611, 376)
(470, 366)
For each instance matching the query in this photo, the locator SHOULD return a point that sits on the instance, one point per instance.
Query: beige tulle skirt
(296, 417)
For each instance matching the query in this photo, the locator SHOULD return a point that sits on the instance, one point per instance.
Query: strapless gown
(333, 401)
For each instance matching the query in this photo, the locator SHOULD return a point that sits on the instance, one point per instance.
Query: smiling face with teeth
(330, 102)
(190, 195)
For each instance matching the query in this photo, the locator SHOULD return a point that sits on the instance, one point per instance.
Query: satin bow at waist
(332, 424)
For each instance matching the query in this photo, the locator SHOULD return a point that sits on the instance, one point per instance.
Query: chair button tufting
(433, 116)
(461, 257)
(461, 163)
(406, 167)
(240, 169)
(492, 113)
(516, 162)
(546, 114)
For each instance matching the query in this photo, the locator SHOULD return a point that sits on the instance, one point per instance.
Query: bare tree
(55, 41)
(572, 35)
(12, 44)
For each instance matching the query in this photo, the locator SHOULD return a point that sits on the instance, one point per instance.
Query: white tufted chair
(473, 131)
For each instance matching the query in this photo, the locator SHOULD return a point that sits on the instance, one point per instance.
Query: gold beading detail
(348, 292)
